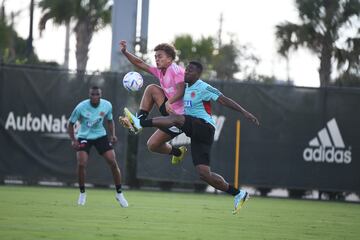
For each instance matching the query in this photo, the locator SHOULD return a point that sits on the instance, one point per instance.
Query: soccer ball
(133, 81)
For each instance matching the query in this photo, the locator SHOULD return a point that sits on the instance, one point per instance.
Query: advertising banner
(308, 139)
(35, 105)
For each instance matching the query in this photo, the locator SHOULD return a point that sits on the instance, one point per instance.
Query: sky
(250, 22)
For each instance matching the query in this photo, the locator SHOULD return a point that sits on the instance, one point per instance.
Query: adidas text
(327, 154)
(328, 146)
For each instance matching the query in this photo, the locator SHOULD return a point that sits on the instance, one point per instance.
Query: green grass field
(52, 213)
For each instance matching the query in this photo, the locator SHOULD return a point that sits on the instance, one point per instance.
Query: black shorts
(202, 138)
(101, 144)
(162, 108)
(172, 131)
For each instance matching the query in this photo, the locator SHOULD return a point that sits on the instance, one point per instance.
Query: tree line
(329, 29)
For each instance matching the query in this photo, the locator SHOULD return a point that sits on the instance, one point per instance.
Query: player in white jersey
(199, 126)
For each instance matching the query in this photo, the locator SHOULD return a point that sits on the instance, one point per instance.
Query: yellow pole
(237, 155)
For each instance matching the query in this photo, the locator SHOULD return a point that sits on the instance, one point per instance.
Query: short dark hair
(167, 48)
(198, 65)
(94, 88)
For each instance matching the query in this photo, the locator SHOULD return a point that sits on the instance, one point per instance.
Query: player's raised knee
(152, 88)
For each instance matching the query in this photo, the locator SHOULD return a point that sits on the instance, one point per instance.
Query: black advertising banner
(308, 139)
(34, 108)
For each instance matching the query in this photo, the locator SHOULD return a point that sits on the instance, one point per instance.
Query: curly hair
(167, 48)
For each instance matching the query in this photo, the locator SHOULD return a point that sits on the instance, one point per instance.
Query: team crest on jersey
(193, 94)
(102, 114)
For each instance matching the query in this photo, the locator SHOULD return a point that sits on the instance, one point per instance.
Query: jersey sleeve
(75, 115)
(210, 93)
(154, 71)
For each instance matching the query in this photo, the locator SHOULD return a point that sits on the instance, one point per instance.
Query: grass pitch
(52, 213)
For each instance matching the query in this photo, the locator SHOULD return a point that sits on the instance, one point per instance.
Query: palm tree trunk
(67, 45)
(83, 34)
(325, 61)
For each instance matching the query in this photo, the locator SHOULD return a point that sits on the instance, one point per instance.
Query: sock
(146, 122)
(233, 191)
(142, 114)
(82, 189)
(118, 188)
(175, 151)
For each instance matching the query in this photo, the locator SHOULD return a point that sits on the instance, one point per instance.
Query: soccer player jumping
(167, 97)
(198, 124)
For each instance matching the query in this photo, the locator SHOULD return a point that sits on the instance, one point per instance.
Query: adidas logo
(328, 146)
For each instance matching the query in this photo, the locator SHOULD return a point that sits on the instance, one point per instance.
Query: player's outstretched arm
(134, 59)
(228, 102)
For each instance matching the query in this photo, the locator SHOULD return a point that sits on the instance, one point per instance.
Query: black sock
(142, 114)
(82, 189)
(175, 151)
(118, 188)
(233, 191)
(146, 122)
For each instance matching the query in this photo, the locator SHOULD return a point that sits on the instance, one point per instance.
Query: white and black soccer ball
(133, 81)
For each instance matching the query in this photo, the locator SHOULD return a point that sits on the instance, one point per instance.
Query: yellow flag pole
(237, 155)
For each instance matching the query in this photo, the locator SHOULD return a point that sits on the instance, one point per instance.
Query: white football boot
(121, 199)
(82, 199)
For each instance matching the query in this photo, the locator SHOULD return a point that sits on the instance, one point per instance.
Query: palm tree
(323, 22)
(60, 12)
(89, 15)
